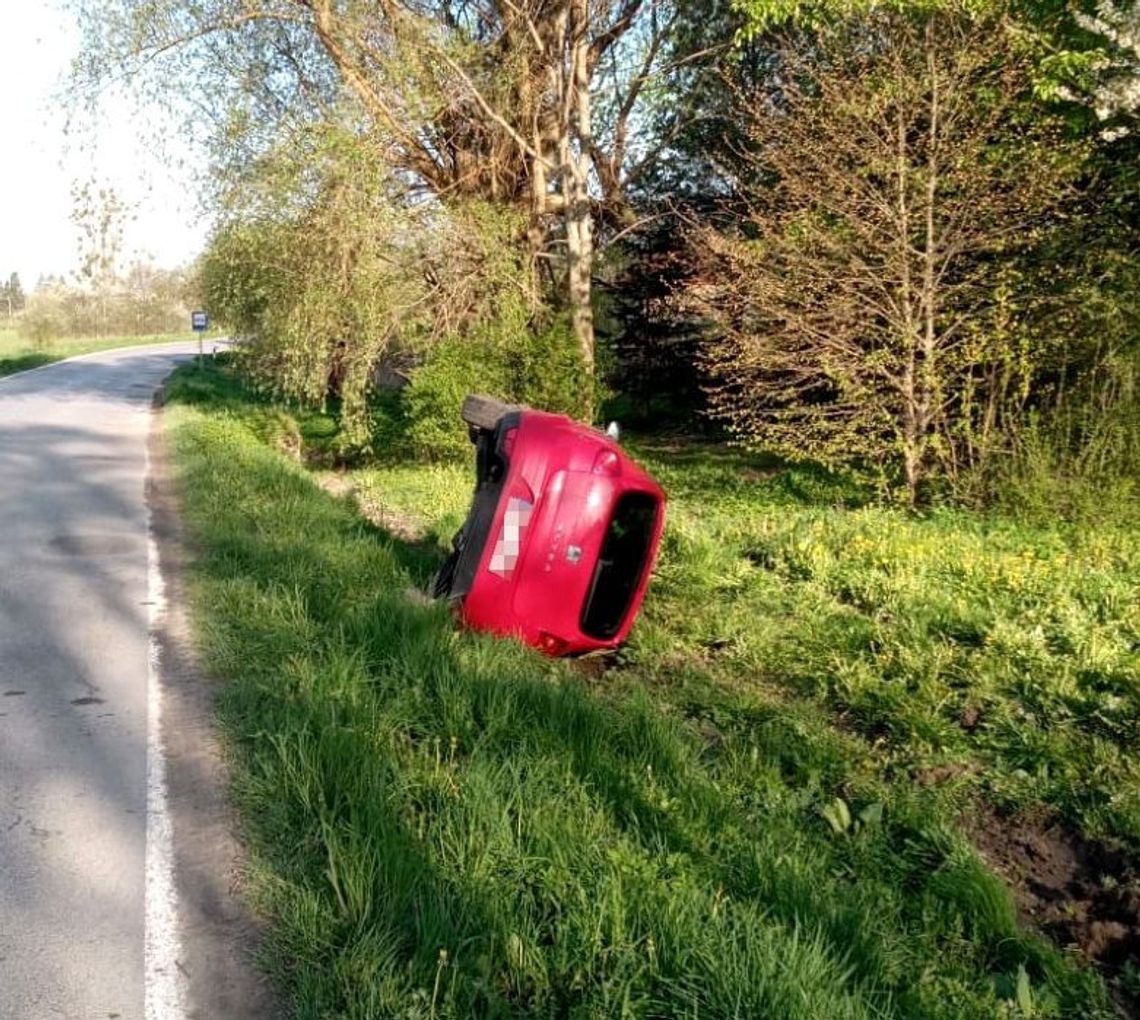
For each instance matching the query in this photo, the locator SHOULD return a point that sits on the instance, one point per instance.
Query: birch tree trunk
(576, 147)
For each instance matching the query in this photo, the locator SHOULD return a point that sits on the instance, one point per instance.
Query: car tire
(445, 577)
(483, 412)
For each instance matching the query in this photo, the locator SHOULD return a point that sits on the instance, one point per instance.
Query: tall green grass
(1078, 457)
(1010, 649)
(448, 825)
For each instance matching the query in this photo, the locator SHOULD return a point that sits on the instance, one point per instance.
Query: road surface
(76, 597)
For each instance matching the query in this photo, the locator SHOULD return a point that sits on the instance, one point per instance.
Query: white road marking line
(163, 987)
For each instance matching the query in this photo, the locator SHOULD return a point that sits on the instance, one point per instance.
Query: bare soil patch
(335, 484)
(1078, 891)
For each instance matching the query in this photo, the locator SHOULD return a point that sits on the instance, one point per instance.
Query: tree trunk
(912, 469)
(911, 368)
(580, 256)
(930, 396)
(575, 168)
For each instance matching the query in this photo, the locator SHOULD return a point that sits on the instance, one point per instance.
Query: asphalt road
(74, 645)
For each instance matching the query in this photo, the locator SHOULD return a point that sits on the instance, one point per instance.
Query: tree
(1115, 92)
(12, 294)
(488, 101)
(100, 216)
(866, 309)
(354, 271)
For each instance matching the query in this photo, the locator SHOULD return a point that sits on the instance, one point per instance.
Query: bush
(549, 373)
(540, 368)
(1078, 459)
(431, 402)
(146, 302)
(43, 323)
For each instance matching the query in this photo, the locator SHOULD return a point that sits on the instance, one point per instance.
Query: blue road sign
(199, 322)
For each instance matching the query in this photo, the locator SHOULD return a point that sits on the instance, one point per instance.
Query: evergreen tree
(12, 295)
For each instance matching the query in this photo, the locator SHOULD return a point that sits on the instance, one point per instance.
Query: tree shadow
(24, 362)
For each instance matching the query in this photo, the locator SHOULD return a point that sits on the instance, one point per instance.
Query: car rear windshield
(620, 565)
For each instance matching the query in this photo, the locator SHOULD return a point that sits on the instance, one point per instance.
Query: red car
(561, 536)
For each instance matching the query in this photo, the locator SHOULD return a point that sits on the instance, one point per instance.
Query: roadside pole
(200, 322)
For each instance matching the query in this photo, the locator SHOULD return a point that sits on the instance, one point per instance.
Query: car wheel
(484, 412)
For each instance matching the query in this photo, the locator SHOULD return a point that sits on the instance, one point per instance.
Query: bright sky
(38, 164)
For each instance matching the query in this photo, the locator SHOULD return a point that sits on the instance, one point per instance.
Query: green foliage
(880, 299)
(549, 373)
(100, 216)
(539, 367)
(236, 274)
(760, 16)
(1066, 52)
(1078, 457)
(1074, 450)
(431, 402)
(839, 817)
(328, 265)
(317, 273)
(145, 301)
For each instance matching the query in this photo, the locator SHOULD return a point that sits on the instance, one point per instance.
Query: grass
(731, 822)
(18, 354)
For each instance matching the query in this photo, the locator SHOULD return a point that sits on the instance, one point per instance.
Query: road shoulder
(219, 936)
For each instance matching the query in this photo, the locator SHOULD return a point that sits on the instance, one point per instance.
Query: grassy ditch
(786, 798)
(18, 354)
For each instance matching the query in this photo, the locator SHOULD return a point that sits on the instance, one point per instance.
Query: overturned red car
(562, 534)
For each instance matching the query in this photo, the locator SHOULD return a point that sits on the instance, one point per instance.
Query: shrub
(538, 367)
(431, 402)
(1078, 458)
(42, 323)
(550, 374)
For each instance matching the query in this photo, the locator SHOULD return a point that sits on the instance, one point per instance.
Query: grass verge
(18, 354)
(732, 822)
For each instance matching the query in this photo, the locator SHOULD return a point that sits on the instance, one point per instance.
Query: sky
(39, 163)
